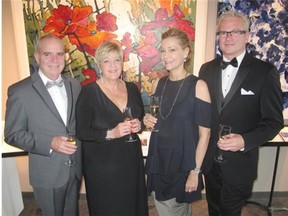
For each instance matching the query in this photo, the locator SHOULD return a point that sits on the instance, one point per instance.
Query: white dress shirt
(58, 95)
(229, 74)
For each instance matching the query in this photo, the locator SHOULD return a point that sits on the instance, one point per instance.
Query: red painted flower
(106, 22)
(65, 21)
(90, 76)
(81, 31)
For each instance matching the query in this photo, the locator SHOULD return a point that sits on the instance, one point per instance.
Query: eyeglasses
(233, 33)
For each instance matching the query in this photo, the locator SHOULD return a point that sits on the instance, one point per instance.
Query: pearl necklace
(175, 99)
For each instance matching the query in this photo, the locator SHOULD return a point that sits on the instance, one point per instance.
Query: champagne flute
(128, 117)
(154, 109)
(71, 140)
(224, 130)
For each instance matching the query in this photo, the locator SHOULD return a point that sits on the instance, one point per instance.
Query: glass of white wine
(154, 109)
(128, 117)
(224, 130)
(71, 140)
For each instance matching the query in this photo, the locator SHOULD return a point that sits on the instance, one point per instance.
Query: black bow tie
(233, 62)
(50, 84)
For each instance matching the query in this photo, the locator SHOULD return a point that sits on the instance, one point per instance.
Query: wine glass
(224, 130)
(71, 140)
(128, 117)
(154, 109)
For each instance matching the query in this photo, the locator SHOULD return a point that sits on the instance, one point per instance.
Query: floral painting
(269, 34)
(85, 24)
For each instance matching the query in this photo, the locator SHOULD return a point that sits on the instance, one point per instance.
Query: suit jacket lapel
(44, 94)
(218, 84)
(70, 99)
(241, 74)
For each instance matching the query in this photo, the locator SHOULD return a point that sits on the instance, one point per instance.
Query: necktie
(233, 62)
(50, 84)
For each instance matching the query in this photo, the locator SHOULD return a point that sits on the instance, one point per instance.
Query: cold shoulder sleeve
(203, 113)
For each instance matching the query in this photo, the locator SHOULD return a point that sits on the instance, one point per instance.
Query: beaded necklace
(175, 99)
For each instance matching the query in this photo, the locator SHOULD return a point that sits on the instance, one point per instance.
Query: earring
(100, 74)
(185, 59)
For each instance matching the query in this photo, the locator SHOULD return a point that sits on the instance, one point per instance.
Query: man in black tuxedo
(245, 94)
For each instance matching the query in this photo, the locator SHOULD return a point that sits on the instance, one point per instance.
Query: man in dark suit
(40, 115)
(246, 95)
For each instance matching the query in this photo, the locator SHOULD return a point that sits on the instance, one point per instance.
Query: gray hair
(237, 14)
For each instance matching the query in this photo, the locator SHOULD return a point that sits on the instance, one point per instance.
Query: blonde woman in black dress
(113, 168)
(177, 150)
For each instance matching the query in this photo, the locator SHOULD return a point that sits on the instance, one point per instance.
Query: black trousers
(223, 198)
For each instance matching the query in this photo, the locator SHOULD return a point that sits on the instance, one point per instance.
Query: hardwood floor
(199, 208)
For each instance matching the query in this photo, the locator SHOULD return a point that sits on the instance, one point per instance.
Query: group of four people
(246, 95)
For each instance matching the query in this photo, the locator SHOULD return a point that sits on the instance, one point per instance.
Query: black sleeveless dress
(172, 150)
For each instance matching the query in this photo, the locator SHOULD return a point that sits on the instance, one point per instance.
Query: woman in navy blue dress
(177, 150)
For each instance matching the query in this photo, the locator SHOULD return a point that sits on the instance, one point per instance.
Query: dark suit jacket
(32, 120)
(257, 115)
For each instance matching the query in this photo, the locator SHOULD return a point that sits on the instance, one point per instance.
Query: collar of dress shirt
(239, 58)
(45, 79)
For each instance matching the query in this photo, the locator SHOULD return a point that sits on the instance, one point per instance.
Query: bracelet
(197, 170)
(106, 138)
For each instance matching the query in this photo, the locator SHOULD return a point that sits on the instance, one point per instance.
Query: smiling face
(50, 57)
(111, 65)
(172, 54)
(232, 46)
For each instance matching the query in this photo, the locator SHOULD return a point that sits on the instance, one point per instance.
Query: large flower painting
(269, 34)
(85, 24)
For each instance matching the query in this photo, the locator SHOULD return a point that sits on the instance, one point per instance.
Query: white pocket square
(244, 92)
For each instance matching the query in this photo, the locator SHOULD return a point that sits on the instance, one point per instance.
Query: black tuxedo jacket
(253, 107)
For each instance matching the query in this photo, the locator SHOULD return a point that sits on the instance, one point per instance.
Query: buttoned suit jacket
(253, 107)
(32, 120)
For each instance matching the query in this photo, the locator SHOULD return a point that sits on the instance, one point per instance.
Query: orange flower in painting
(168, 4)
(65, 21)
(89, 39)
(81, 32)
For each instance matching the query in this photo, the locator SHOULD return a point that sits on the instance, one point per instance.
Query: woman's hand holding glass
(149, 120)
(125, 128)
(127, 113)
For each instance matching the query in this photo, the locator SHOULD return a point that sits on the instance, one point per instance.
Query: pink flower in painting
(176, 21)
(144, 49)
(106, 22)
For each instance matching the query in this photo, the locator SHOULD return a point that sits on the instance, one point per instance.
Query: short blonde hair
(107, 47)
